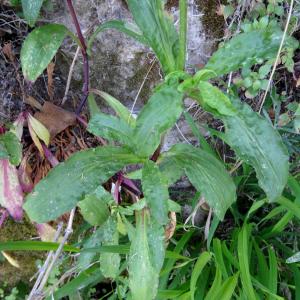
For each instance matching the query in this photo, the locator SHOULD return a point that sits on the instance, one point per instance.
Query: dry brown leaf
(7, 50)
(55, 118)
(171, 226)
(33, 102)
(50, 70)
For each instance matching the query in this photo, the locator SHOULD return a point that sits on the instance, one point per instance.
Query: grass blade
(203, 259)
(34, 246)
(243, 255)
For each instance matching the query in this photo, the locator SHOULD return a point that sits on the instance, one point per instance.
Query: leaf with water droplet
(39, 48)
(205, 172)
(87, 169)
(256, 141)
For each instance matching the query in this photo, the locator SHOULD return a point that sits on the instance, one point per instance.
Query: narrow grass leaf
(243, 255)
(203, 259)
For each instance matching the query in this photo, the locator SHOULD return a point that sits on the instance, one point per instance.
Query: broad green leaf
(128, 28)
(205, 172)
(110, 262)
(243, 255)
(203, 259)
(111, 128)
(39, 48)
(214, 99)
(156, 240)
(34, 246)
(121, 111)
(158, 115)
(155, 189)
(95, 240)
(93, 210)
(71, 180)
(31, 10)
(143, 277)
(11, 194)
(11, 148)
(158, 29)
(247, 49)
(257, 143)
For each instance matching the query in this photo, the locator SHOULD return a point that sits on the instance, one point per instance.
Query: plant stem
(182, 34)
(86, 71)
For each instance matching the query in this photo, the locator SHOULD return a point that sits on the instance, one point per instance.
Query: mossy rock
(12, 231)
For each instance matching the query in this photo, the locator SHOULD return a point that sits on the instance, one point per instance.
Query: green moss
(137, 79)
(12, 231)
(212, 22)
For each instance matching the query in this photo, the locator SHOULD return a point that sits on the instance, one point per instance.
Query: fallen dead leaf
(55, 118)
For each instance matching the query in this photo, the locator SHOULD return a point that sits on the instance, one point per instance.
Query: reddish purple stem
(86, 76)
(51, 158)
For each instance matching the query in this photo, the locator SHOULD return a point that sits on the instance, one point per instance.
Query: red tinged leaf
(24, 172)
(11, 194)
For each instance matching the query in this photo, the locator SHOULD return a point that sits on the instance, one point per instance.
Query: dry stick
(262, 101)
(68, 231)
(142, 85)
(86, 70)
(36, 290)
(70, 76)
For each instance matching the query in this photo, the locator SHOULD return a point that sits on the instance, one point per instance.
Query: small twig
(262, 101)
(70, 76)
(36, 291)
(207, 224)
(86, 72)
(141, 87)
(59, 249)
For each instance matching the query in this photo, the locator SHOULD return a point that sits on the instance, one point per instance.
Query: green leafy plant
(136, 225)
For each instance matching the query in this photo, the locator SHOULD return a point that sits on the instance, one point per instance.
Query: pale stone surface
(119, 64)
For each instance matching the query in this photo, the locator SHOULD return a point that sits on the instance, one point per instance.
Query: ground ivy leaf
(71, 180)
(39, 48)
(205, 172)
(155, 189)
(256, 142)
